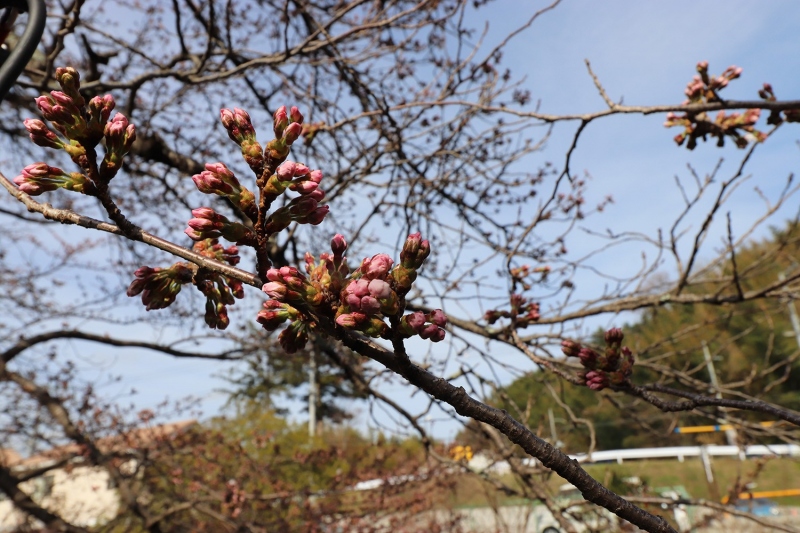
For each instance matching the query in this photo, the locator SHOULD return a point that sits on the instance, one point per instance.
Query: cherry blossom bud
(275, 290)
(596, 380)
(238, 125)
(570, 348)
(291, 133)
(614, 336)
(377, 267)
(159, 287)
(379, 289)
(338, 246)
(208, 224)
(65, 120)
(119, 136)
(281, 120)
(70, 79)
(40, 177)
(41, 135)
(295, 115)
(315, 176)
(350, 320)
(370, 306)
(588, 357)
(415, 251)
(438, 317)
(274, 314)
(317, 216)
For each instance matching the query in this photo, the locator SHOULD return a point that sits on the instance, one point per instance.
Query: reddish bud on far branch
(612, 368)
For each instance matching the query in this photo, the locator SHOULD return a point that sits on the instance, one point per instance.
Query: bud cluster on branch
(369, 299)
(361, 300)
(611, 368)
(704, 89)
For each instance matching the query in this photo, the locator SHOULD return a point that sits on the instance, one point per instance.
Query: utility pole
(313, 392)
(792, 313)
(730, 434)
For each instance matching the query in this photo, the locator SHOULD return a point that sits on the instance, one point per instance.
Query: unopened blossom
(238, 124)
(376, 267)
(570, 348)
(338, 246)
(41, 135)
(70, 80)
(41, 177)
(597, 380)
(218, 179)
(294, 337)
(100, 108)
(274, 314)
(119, 135)
(287, 128)
(159, 287)
(208, 224)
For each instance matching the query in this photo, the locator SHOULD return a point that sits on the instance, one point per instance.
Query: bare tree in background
(417, 127)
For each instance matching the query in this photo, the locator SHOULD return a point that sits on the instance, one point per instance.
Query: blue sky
(644, 52)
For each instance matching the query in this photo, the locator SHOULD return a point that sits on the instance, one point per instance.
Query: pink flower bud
(295, 115)
(438, 317)
(350, 320)
(315, 176)
(438, 335)
(318, 215)
(416, 320)
(281, 120)
(377, 267)
(379, 289)
(588, 357)
(596, 380)
(429, 331)
(302, 206)
(338, 245)
(358, 287)
(275, 290)
(370, 306)
(570, 348)
(614, 336)
(353, 302)
(291, 133)
(286, 170)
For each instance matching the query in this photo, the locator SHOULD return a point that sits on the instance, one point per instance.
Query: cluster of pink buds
(360, 300)
(208, 224)
(522, 313)
(704, 89)
(241, 131)
(303, 209)
(119, 134)
(287, 127)
(775, 116)
(41, 177)
(430, 326)
(612, 368)
(81, 127)
(219, 290)
(520, 274)
(218, 179)
(159, 286)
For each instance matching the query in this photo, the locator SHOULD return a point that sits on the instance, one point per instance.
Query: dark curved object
(15, 63)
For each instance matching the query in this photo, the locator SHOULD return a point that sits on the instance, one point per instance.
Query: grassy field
(767, 474)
